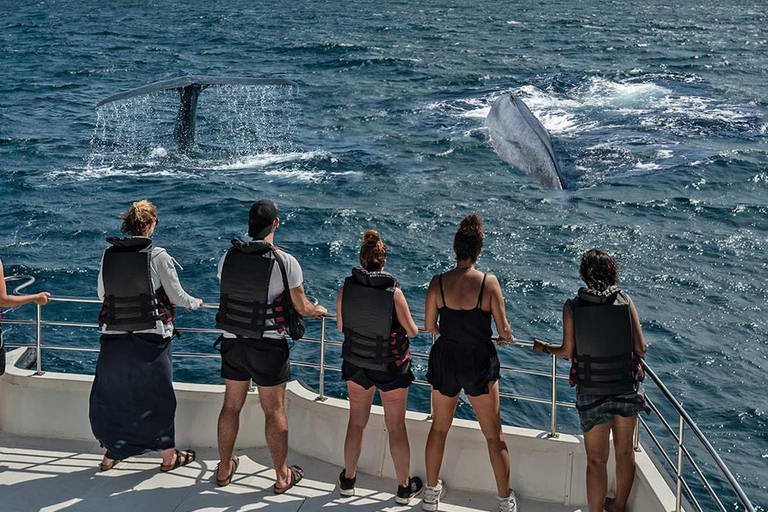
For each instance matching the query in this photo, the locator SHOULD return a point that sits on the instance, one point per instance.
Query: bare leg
(360, 400)
(598, 447)
(276, 426)
(489, 416)
(623, 434)
(442, 417)
(229, 423)
(395, 403)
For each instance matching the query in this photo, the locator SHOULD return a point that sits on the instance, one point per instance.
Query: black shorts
(266, 361)
(454, 366)
(400, 376)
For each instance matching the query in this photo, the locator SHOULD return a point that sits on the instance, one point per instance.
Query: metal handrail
(679, 437)
(685, 419)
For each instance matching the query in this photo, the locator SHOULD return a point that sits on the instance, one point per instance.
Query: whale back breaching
(189, 88)
(520, 139)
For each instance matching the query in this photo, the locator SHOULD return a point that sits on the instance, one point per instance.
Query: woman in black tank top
(464, 357)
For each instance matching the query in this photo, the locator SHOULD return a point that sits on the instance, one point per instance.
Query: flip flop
(228, 480)
(107, 467)
(189, 456)
(296, 475)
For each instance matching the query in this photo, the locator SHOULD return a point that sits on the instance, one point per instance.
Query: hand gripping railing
(681, 486)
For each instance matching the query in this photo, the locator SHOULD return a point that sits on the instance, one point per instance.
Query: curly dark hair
(468, 241)
(373, 252)
(598, 269)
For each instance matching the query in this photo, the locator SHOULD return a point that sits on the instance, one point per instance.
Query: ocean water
(658, 112)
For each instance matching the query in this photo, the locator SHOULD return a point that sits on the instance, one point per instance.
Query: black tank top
(465, 325)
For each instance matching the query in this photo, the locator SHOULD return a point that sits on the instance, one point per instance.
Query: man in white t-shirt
(252, 313)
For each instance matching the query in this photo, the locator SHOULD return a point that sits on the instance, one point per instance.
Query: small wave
(478, 113)
(648, 166)
(266, 159)
(91, 173)
(306, 175)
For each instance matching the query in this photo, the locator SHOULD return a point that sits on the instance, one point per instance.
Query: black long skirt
(132, 404)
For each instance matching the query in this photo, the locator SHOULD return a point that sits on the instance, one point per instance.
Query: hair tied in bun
(373, 253)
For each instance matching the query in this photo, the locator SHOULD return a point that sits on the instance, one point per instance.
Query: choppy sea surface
(658, 112)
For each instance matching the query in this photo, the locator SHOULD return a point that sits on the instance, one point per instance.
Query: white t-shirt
(294, 275)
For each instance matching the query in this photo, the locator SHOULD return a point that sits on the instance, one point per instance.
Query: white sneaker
(432, 496)
(509, 503)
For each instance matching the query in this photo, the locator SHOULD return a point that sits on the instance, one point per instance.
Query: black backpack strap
(284, 274)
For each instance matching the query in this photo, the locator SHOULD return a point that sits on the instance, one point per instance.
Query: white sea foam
(266, 159)
(158, 152)
(305, 175)
(647, 166)
(478, 113)
(91, 173)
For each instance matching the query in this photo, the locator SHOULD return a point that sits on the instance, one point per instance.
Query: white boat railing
(683, 492)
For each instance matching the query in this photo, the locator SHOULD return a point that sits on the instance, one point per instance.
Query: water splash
(233, 122)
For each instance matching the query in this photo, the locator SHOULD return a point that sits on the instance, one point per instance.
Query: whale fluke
(189, 88)
(520, 139)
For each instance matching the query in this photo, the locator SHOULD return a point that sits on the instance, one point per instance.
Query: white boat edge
(542, 468)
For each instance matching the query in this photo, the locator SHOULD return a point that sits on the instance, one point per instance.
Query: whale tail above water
(189, 88)
(520, 139)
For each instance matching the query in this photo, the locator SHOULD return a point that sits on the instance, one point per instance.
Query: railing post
(39, 342)
(322, 360)
(553, 412)
(679, 489)
(636, 441)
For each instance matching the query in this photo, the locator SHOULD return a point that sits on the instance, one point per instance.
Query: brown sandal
(296, 475)
(189, 456)
(107, 467)
(228, 480)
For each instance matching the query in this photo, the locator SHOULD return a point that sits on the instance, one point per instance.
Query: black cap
(263, 213)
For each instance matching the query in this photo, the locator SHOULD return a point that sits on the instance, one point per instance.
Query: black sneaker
(346, 485)
(405, 494)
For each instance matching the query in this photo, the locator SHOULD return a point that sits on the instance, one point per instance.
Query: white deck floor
(40, 474)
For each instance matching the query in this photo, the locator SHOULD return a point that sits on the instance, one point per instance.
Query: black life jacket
(130, 302)
(373, 337)
(243, 305)
(604, 363)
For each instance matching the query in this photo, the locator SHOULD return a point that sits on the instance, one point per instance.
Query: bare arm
(303, 306)
(430, 308)
(639, 346)
(569, 339)
(339, 297)
(10, 301)
(499, 312)
(404, 314)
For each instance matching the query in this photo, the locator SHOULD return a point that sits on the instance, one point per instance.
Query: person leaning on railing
(464, 357)
(603, 338)
(373, 314)
(12, 301)
(132, 402)
(262, 300)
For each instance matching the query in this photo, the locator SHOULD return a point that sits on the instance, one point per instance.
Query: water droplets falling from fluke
(233, 122)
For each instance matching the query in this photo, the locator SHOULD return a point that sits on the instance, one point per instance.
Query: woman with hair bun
(464, 357)
(373, 315)
(132, 403)
(603, 338)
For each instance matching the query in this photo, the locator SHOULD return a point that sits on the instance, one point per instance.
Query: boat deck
(47, 475)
